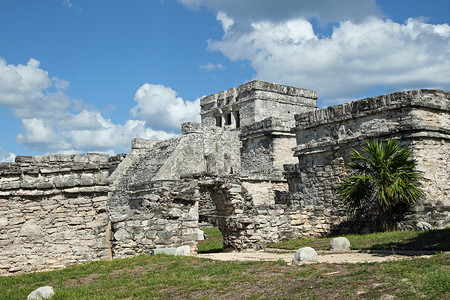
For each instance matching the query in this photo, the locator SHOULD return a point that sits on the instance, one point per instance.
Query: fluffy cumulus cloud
(54, 122)
(353, 59)
(364, 51)
(22, 83)
(161, 108)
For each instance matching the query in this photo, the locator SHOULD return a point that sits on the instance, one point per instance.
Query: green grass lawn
(163, 277)
(434, 240)
(176, 277)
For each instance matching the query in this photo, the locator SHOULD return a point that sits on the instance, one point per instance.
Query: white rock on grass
(339, 244)
(44, 292)
(305, 255)
(201, 235)
(183, 250)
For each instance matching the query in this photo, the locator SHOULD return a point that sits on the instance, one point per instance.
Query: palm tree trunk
(386, 223)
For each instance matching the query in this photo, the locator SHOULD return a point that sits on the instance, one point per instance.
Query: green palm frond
(383, 176)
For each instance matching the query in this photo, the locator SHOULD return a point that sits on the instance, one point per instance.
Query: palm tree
(384, 179)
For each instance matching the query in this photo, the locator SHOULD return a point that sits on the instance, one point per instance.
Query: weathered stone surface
(305, 255)
(423, 226)
(339, 244)
(122, 235)
(44, 292)
(183, 250)
(167, 251)
(53, 225)
(237, 106)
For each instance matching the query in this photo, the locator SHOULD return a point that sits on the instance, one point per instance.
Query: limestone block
(201, 235)
(16, 221)
(3, 221)
(31, 229)
(175, 212)
(183, 250)
(305, 255)
(145, 241)
(122, 235)
(115, 218)
(168, 251)
(165, 235)
(339, 244)
(44, 292)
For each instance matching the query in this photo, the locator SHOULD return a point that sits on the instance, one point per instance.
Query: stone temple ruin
(262, 165)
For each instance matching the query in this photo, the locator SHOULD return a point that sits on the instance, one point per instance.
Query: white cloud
(67, 3)
(160, 107)
(6, 156)
(41, 135)
(211, 66)
(54, 122)
(324, 10)
(90, 130)
(19, 84)
(225, 20)
(356, 57)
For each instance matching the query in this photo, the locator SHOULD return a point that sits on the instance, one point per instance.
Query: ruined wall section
(53, 211)
(221, 150)
(162, 214)
(266, 147)
(141, 165)
(247, 223)
(419, 119)
(154, 160)
(188, 156)
(152, 206)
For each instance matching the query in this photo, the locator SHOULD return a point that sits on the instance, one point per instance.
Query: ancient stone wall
(221, 150)
(419, 119)
(161, 214)
(53, 211)
(433, 156)
(151, 206)
(151, 160)
(246, 222)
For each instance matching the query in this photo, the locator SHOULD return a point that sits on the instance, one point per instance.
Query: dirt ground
(323, 256)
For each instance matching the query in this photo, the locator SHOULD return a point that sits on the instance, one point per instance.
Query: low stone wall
(53, 212)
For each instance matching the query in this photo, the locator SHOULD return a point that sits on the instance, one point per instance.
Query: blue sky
(90, 75)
